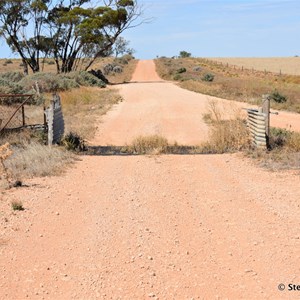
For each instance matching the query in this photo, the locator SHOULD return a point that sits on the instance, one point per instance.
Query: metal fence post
(23, 116)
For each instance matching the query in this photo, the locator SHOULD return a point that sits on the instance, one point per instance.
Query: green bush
(72, 141)
(184, 54)
(177, 77)
(50, 62)
(49, 82)
(208, 77)
(86, 79)
(12, 76)
(181, 70)
(278, 137)
(277, 97)
(9, 87)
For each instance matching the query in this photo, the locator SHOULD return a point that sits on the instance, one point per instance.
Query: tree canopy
(65, 30)
(184, 54)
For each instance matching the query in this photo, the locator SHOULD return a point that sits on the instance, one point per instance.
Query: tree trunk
(25, 66)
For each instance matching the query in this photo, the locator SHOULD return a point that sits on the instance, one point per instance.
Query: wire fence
(5, 116)
(12, 114)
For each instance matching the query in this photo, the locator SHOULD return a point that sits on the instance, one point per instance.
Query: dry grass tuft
(228, 136)
(34, 159)
(153, 144)
(293, 142)
(225, 135)
(5, 153)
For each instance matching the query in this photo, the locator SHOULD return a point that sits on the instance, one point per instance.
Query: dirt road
(154, 106)
(157, 227)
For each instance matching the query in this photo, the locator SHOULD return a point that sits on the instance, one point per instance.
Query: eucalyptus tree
(66, 30)
(21, 24)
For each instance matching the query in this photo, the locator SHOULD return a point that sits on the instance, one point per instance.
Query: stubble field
(285, 65)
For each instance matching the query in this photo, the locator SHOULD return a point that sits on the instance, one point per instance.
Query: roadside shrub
(278, 137)
(108, 68)
(277, 97)
(181, 70)
(48, 82)
(177, 77)
(118, 69)
(72, 141)
(10, 87)
(208, 77)
(284, 138)
(86, 79)
(12, 76)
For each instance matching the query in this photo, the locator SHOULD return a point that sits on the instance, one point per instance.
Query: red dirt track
(153, 227)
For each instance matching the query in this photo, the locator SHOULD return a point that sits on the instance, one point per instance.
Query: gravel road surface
(153, 227)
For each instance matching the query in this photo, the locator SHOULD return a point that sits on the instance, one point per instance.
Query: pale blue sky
(213, 28)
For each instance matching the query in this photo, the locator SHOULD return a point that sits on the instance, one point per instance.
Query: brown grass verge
(284, 151)
(83, 107)
(36, 160)
(229, 83)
